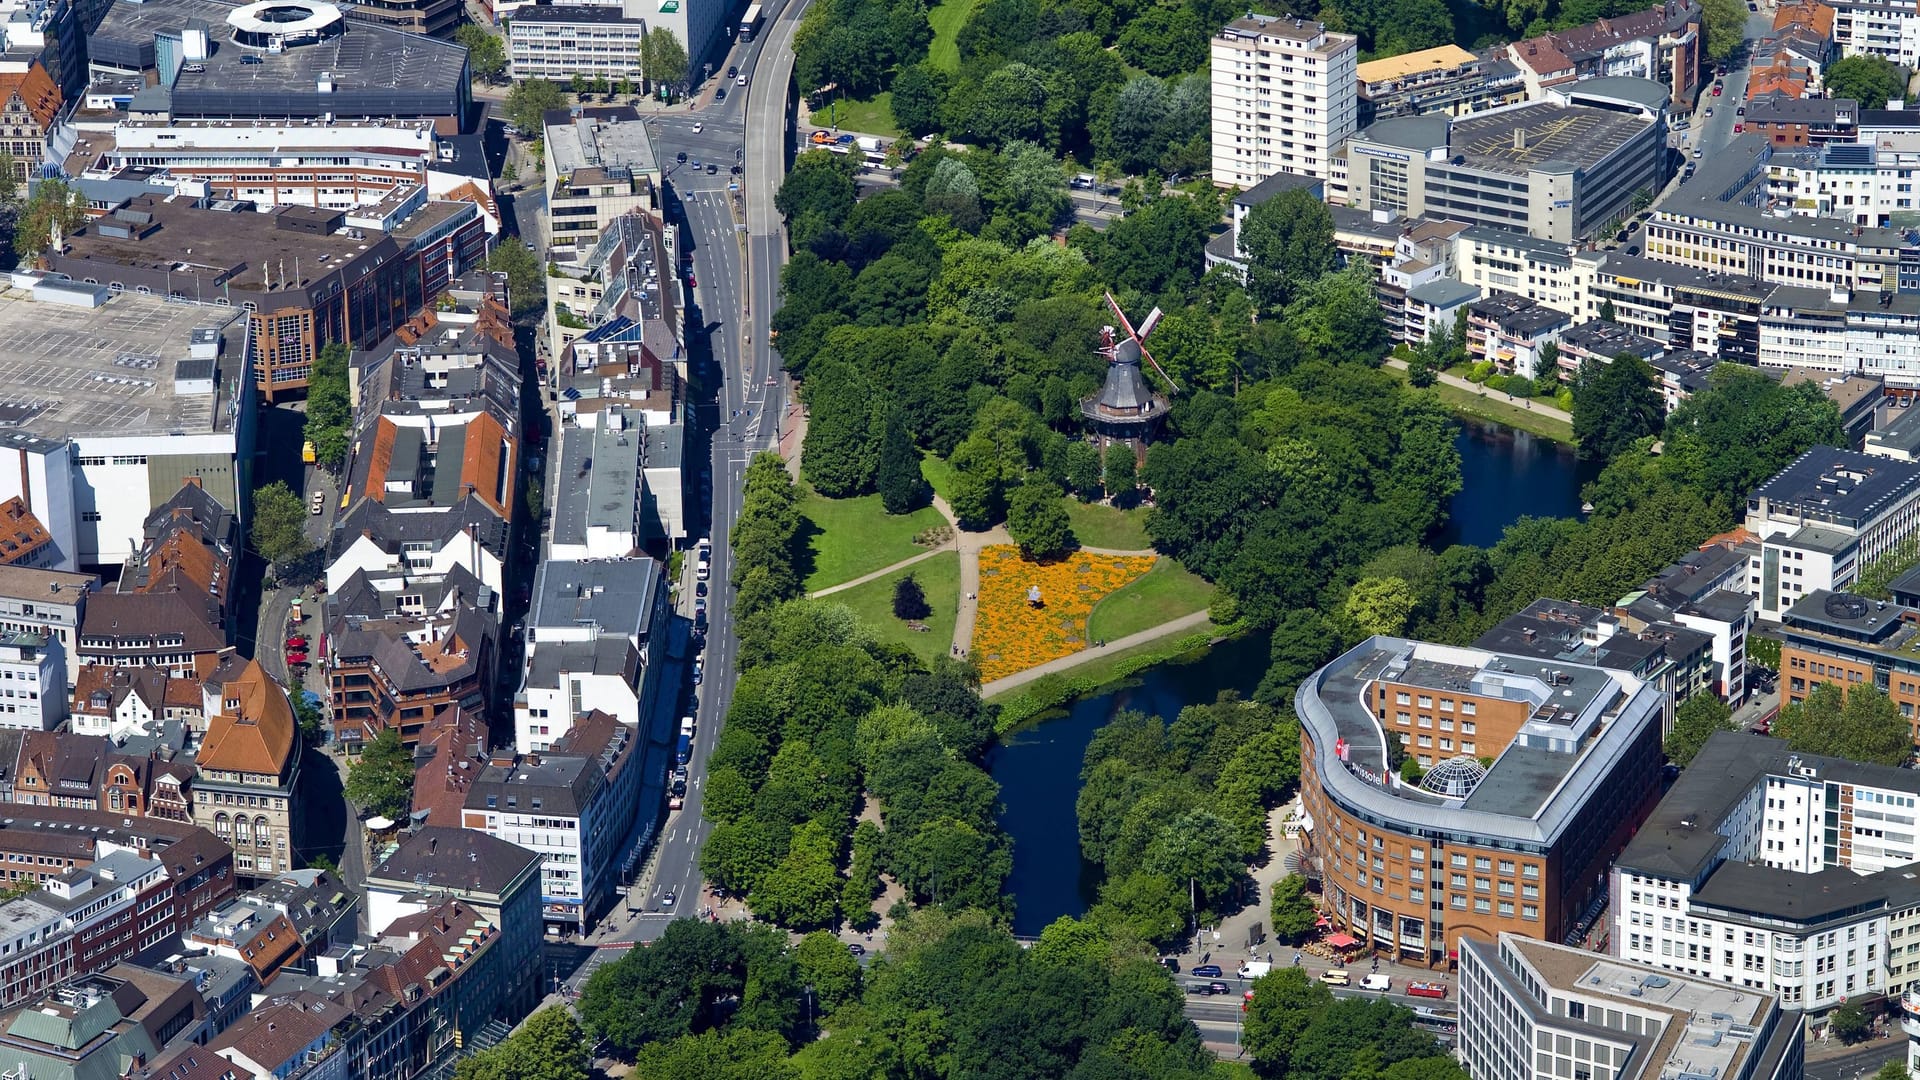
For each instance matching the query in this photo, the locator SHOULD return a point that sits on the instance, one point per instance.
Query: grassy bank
(1026, 704)
(947, 19)
(1494, 406)
(873, 117)
(1167, 592)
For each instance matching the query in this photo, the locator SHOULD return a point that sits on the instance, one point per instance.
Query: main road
(736, 245)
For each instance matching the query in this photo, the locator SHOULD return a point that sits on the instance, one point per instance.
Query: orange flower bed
(1010, 635)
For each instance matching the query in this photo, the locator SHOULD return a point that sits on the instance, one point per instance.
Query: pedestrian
(1296, 958)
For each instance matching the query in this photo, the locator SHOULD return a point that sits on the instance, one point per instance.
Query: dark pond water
(1506, 474)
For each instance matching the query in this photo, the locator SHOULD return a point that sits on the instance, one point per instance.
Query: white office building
(595, 635)
(33, 682)
(1823, 517)
(1774, 871)
(1531, 1010)
(1285, 95)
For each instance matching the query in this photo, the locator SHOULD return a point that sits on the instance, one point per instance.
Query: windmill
(1127, 409)
(1138, 337)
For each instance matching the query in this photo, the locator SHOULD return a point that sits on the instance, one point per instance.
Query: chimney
(433, 844)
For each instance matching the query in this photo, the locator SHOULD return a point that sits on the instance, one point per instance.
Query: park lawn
(852, 537)
(947, 19)
(871, 117)
(940, 475)
(873, 602)
(1167, 592)
(1102, 526)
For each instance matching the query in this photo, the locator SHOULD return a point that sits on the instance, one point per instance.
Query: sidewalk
(1530, 404)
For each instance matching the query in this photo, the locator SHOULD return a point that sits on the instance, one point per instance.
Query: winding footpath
(1170, 628)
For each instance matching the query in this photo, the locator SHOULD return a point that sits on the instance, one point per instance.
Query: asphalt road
(1861, 1063)
(736, 411)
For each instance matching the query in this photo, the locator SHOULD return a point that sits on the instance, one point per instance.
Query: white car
(741, 81)
(697, 128)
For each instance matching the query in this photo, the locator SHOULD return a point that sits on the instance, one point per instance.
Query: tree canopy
(1870, 80)
(1859, 723)
(1615, 405)
(279, 528)
(1694, 722)
(381, 781)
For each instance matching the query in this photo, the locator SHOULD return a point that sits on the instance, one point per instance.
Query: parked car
(319, 501)
(1208, 971)
(1376, 982)
(1336, 977)
(698, 669)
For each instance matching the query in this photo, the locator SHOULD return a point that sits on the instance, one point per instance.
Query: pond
(1506, 474)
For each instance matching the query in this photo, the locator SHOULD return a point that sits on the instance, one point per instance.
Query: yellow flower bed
(1010, 635)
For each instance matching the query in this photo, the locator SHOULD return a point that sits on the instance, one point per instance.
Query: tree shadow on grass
(803, 556)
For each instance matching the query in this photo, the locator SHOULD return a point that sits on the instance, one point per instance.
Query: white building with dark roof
(1821, 519)
(1776, 871)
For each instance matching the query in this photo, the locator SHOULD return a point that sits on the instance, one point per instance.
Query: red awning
(296, 658)
(1342, 941)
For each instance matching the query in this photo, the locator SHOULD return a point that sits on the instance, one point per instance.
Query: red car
(692, 282)
(1738, 128)
(1716, 91)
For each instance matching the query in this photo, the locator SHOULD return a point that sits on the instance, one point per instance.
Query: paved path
(1165, 629)
(880, 573)
(1530, 404)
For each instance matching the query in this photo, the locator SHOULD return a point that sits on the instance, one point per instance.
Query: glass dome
(1455, 777)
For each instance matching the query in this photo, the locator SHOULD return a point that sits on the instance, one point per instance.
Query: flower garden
(1009, 635)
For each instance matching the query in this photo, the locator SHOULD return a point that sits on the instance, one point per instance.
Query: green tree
(1694, 722)
(329, 405)
(918, 91)
(1083, 470)
(1123, 477)
(52, 204)
(526, 278)
(686, 982)
(1849, 1023)
(1870, 80)
(1380, 605)
(549, 1046)
(1726, 22)
(910, 600)
(1292, 912)
(528, 103)
(486, 56)
(841, 454)
(382, 779)
(903, 489)
(764, 535)
(1893, 1070)
(1037, 520)
(279, 531)
(1859, 724)
(1607, 313)
(1877, 577)
(663, 60)
(1285, 1002)
(9, 179)
(829, 968)
(1288, 240)
(1745, 427)
(1614, 406)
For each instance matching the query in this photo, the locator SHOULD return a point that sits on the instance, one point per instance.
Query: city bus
(750, 22)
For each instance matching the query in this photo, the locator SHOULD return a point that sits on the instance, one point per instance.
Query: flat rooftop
(1527, 137)
(239, 249)
(1443, 58)
(72, 372)
(365, 61)
(589, 143)
(1695, 1037)
(1581, 719)
(1843, 488)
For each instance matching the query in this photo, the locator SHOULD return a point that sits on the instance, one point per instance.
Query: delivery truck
(685, 753)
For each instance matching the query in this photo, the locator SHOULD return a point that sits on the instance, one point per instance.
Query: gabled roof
(36, 91)
(21, 533)
(254, 730)
(389, 530)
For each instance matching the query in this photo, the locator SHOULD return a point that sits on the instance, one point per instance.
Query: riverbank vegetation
(954, 997)
(1173, 813)
(1649, 509)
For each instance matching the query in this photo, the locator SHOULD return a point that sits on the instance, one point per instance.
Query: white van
(1376, 981)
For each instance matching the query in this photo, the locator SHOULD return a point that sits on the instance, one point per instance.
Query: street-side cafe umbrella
(296, 642)
(1342, 941)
